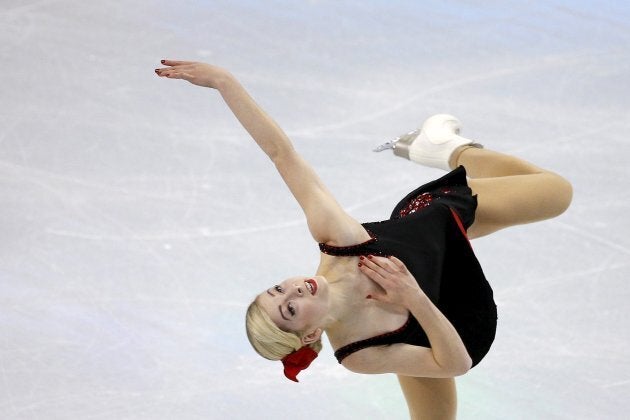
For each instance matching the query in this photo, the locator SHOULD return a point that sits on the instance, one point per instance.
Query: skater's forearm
(263, 129)
(448, 349)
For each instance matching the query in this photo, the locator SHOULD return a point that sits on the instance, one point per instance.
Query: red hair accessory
(297, 361)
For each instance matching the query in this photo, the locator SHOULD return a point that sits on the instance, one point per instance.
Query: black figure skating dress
(427, 231)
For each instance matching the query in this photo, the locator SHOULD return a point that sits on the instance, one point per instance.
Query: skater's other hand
(398, 284)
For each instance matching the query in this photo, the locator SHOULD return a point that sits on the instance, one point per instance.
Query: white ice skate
(433, 144)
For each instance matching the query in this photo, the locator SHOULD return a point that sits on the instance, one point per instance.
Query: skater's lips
(311, 285)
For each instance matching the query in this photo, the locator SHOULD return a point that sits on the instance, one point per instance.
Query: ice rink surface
(139, 219)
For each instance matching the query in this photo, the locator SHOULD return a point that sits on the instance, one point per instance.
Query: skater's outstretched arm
(327, 220)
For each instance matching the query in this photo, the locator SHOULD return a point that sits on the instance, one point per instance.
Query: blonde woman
(405, 295)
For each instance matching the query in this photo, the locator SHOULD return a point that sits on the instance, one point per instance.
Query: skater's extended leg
(510, 190)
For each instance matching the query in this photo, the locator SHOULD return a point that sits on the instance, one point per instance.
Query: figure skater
(405, 295)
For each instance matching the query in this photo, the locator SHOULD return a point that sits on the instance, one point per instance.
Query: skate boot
(433, 144)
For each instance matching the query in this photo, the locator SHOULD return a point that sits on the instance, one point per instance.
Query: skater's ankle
(453, 161)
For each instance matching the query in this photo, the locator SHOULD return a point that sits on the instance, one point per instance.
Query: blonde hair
(267, 339)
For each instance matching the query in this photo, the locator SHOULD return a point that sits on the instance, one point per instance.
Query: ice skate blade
(400, 143)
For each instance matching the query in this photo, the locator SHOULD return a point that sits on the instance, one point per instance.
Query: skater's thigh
(514, 200)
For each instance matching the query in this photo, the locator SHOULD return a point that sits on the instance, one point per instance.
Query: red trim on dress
(460, 225)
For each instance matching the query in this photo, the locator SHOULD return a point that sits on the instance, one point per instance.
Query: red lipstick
(313, 286)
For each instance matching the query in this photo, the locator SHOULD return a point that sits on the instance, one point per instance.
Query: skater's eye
(278, 289)
(291, 308)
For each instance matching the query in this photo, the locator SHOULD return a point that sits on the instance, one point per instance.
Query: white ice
(138, 219)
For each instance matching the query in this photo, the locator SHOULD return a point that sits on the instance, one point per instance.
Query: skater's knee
(560, 194)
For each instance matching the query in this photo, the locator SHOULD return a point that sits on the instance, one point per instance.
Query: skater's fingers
(175, 62)
(397, 263)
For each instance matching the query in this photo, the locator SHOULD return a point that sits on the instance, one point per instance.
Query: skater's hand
(397, 283)
(200, 74)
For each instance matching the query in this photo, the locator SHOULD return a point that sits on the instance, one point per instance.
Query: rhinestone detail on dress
(418, 203)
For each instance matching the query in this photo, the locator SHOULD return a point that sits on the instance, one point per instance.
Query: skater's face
(298, 304)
